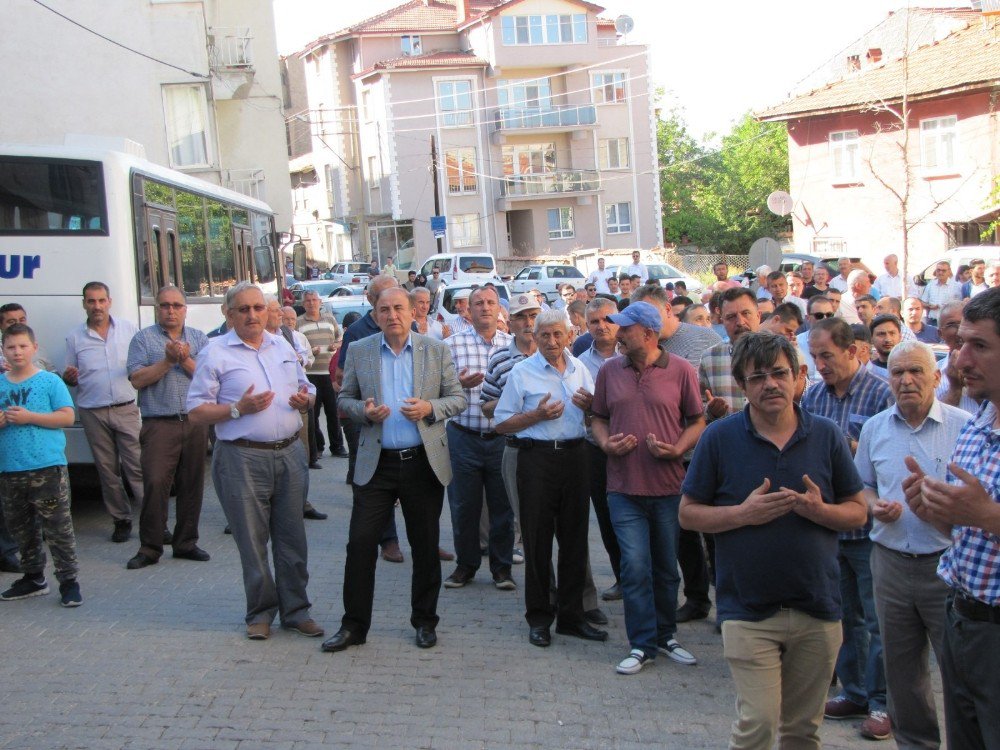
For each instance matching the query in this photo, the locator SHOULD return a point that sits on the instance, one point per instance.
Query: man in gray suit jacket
(400, 387)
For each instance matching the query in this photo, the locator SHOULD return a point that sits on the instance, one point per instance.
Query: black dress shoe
(140, 561)
(339, 452)
(195, 553)
(426, 637)
(540, 636)
(315, 465)
(168, 538)
(688, 612)
(314, 515)
(341, 640)
(596, 616)
(583, 630)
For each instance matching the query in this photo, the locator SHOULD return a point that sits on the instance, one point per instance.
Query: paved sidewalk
(157, 658)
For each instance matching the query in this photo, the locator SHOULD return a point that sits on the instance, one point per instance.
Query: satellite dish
(779, 202)
(765, 252)
(624, 24)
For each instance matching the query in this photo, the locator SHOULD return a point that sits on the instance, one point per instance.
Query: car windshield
(476, 264)
(563, 272)
(664, 271)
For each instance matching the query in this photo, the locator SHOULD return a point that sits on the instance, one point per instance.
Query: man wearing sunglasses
(820, 307)
(160, 363)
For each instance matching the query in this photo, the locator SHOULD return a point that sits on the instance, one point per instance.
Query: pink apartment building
(541, 118)
(854, 162)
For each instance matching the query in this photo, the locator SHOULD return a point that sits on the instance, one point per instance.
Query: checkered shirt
(716, 375)
(866, 396)
(972, 563)
(498, 368)
(472, 352)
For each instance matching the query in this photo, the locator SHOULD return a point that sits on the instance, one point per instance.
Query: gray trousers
(113, 434)
(910, 602)
(508, 469)
(262, 493)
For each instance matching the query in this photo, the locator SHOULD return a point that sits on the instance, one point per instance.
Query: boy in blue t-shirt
(35, 406)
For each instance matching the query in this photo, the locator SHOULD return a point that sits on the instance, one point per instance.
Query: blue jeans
(648, 531)
(859, 665)
(476, 468)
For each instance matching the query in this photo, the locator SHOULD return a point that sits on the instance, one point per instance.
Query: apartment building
(199, 87)
(527, 124)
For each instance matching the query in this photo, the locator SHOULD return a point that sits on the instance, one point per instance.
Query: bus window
(161, 195)
(193, 252)
(222, 260)
(48, 196)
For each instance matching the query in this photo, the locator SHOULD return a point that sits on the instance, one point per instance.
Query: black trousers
(693, 562)
(326, 399)
(421, 496)
(598, 466)
(553, 494)
(352, 433)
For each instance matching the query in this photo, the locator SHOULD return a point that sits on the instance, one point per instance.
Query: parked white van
(474, 268)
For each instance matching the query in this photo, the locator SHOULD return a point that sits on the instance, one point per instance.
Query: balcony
(579, 118)
(230, 58)
(579, 182)
(250, 182)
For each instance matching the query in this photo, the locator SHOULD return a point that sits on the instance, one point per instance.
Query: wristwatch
(234, 413)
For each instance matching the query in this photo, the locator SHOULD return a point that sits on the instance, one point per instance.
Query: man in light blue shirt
(543, 408)
(909, 596)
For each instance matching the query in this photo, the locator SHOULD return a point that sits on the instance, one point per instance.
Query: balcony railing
(230, 47)
(563, 116)
(570, 181)
(247, 181)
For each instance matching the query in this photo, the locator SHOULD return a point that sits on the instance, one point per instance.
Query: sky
(715, 60)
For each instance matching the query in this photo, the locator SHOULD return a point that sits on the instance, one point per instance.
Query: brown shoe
(258, 631)
(876, 726)
(391, 552)
(445, 555)
(308, 628)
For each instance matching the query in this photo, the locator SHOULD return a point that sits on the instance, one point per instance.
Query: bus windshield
(51, 196)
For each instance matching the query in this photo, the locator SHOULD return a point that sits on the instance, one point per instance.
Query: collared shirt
(847, 310)
(839, 283)
(966, 403)
(458, 324)
(593, 360)
(888, 285)
(530, 381)
(886, 440)
(866, 396)
(168, 395)
(878, 369)
(637, 268)
(805, 358)
(301, 346)
(691, 342)
(716, 375)
(229, 366)
(599, 279)
(324, 333)
(972, 563)
(500, 364)
(791, 299)
(472, 352)
(928, 334)
(939, 294)
(396, 376)
(103, 379)
(656, 401)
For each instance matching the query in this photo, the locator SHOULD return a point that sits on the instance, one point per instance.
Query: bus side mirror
(264, 263)
(299, 269)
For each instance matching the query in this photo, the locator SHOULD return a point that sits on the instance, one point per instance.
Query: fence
(701, 264)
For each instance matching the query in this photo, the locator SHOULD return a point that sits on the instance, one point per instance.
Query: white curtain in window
(186, 125)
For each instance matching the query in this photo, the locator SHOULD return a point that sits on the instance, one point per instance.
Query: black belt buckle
(561, 445)
(408, 453)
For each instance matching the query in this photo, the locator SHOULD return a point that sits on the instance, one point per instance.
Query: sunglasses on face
(821, 316)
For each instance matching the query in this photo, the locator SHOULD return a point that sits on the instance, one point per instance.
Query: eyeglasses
(172, 305)
(758, 378)
(244, 309)
(821, 316)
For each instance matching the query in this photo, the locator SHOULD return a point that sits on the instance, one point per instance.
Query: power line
(119, 44)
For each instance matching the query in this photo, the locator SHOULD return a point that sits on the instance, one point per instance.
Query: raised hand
(716, 406)
(376, 414)
(547, 410)
(661, 450)
(762, 506)
(252, 403)
(620, 444)
(416, 409)
(469, 380)
(300, 399)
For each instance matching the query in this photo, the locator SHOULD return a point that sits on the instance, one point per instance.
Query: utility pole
(437, 197)
(359, 171)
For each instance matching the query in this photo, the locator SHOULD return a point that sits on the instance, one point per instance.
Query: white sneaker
(677, 652)
(633, 663)
(518, 556)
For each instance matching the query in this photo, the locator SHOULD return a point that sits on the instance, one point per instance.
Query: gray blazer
(434, 380)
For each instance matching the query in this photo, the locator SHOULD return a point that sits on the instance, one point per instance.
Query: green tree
(683, 172)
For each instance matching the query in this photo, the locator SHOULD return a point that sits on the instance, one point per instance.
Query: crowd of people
(796, 445)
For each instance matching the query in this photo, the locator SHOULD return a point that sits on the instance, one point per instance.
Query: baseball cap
(641, 313)
(521, 302)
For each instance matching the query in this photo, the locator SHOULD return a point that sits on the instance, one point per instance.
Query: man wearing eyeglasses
(774, 484)
(820, 307)
(160, 364)
(251, 386)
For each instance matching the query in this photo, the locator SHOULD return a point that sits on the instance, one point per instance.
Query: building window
(560, 223)
(411, 44)
(937, 143)
(454, 102)
(614, 153)
(609, 87)
(366, 105)
(829, 246)
(374, 173)
(464, 230)
(529, 158)
(844, 152)
(186, 116)
(460, 168)
(548, 29)
(618, 218)
(528, 93)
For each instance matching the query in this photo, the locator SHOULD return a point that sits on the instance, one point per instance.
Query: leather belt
(170, 417)
(552, 445)
(404, 454)
(116, 406)
(269, 446)
(912, 555)
(973, 609)
(470, 431)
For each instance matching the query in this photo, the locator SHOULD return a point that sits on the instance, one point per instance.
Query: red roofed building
(853, 164)
(541, 118)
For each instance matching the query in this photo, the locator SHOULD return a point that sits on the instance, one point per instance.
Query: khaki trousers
(113, 434)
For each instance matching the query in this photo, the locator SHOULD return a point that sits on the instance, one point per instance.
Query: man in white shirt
(96, 356)
(890, 284)
(941, 291)
(636, 268)
(840, 281)
(599, 278)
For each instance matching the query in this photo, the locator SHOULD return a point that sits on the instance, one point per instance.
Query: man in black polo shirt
(777, 575)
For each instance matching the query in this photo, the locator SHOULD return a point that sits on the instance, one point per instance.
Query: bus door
(243, 243)
(162, 257)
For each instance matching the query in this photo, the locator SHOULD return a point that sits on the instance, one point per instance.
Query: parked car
(664, 272)
(348, 272)
(792, 262)
(474, 268)
(958, 256)
(547, 278)
(338, 307)
(442, 300)
(322, 287)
